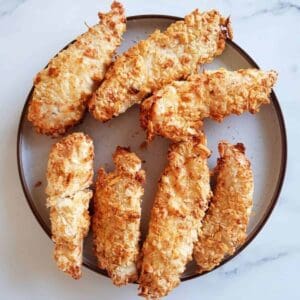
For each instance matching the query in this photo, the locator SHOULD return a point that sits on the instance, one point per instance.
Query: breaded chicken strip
(116, 221)
(224, 226)
(69, 176)
(160, 59)
(63, 87)
(177, 110)
(180, 204)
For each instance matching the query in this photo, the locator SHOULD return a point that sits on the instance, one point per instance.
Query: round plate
(263, 135)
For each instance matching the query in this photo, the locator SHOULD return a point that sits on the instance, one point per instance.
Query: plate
(263, 135)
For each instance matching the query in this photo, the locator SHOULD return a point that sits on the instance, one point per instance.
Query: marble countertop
(31, 31)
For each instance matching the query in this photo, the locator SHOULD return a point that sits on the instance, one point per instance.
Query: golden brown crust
(180, 204)
(116, 221)
(63, 87)
(177, 110)
(224, 226)
(69, 175)
(160, 59)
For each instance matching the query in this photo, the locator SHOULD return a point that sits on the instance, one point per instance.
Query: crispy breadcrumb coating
(69, 176)
(224, 226)
(177, 110)
(117, 216)
(160, 59)
(63, 87)
(180, 204)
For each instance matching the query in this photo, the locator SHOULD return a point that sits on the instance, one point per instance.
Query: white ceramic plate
(263, 135)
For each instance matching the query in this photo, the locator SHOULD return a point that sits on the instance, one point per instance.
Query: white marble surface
(31, 31)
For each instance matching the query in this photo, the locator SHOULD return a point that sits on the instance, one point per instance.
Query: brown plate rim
(273, 200)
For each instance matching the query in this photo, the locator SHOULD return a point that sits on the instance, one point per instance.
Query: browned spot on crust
(53, 72)
(140, 177)
(37, 79)
(75, 272)
(169, 63)
(184, 59)
(92, 53)
(133, 90)
(240, 147)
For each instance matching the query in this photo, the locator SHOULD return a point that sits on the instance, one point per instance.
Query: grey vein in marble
(8, 7)
(279, 8)
(258, 262)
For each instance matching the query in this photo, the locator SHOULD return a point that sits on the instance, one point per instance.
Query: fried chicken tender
(158, 60)
(180, 204)
(69, 176)
(177, 110)
(117, 216)
(224, 226)
(62, 89)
